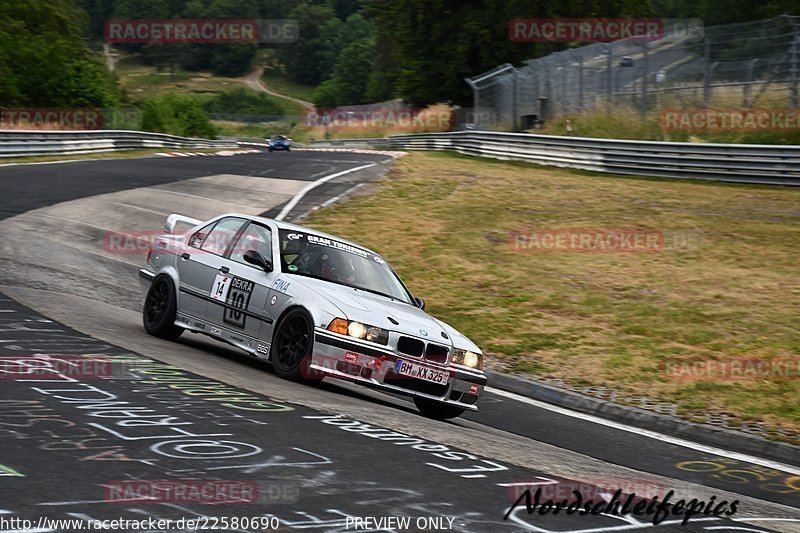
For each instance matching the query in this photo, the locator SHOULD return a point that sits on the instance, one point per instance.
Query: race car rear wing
(174, 219)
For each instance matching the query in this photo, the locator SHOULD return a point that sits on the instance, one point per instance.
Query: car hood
(377, 310)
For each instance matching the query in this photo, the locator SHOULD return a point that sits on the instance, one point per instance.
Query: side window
(254, 237)
(221, 236)
(196, 240)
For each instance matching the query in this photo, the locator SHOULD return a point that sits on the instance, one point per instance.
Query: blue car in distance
(279, 142)
(626, 61)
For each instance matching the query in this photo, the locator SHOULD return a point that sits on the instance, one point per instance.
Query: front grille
(436, 353)
(410, 346)
(416, 385)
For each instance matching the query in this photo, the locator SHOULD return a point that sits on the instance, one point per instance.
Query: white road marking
(751, 519)
(335, 199)
(649, 434)
(314, 184)
(76, 502)
(76, 222)
(544, 481)
(733, 528)
(139, 208)
(64, 161)
(179, 193)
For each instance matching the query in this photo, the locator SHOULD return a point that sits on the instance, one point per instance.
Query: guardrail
(24, 143)
(742, 163)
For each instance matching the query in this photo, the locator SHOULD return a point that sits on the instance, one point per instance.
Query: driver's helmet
(337, 267)
(255, 242)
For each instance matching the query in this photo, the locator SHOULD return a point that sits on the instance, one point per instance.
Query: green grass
(606, 319)
(143, 81)
(284, 86)
(627, 123)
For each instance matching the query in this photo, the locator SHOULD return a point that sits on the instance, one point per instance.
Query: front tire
(292, 344)
(437, 410)
(160, 306)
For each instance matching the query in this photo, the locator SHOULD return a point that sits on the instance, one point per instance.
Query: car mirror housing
(420, 303)
(255, 258)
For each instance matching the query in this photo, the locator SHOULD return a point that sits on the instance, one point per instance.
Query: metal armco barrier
(20, 143)
(742, 163)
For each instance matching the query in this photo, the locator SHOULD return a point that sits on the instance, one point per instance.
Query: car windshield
(278, 138)
(306, 254)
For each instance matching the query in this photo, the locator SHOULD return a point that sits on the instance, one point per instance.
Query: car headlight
(467, 358)
(358, 330)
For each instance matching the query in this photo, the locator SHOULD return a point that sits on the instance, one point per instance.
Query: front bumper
(352, 360)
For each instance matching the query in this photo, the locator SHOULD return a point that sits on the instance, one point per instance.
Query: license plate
(413, 370)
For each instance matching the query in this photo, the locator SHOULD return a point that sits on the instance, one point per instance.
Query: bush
(232, 59)
(242, 101)
(326, 95)
(176, 114)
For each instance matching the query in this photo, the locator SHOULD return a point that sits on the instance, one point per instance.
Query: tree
(176, 114)
(234, 59)
(348, 85)
(432, 45)
(44, 60)
(310, 59)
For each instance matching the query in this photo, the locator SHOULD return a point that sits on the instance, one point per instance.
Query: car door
(199, 263)
(240, 304)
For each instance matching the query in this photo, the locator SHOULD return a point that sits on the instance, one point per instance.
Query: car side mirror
(255, 258)
(420, 303)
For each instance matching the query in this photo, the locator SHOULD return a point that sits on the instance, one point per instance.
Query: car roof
(296, 227)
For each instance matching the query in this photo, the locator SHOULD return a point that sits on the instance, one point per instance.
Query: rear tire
(437, 410)
(292, 345)
(160, 307)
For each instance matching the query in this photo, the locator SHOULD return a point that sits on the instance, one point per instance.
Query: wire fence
(752, 64)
